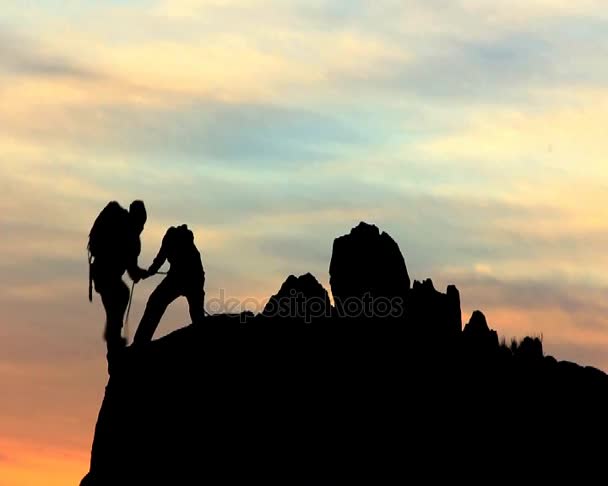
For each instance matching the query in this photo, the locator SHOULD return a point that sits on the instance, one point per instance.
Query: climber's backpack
(107, 236)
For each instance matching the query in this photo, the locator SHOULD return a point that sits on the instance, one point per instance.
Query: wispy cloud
(21, 56)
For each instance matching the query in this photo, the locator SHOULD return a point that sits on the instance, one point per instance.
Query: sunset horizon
(472, 133)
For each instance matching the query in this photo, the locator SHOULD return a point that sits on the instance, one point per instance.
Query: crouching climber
(186, 277)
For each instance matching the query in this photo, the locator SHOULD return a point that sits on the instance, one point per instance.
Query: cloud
(185, 81)
(532, 294)
(224, 131)
(200, 128)
(21, 56)
(474, 71)
(567, 130)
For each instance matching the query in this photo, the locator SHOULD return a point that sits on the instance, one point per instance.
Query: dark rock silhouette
(300, 297)
(357, 400)
(229, 402)
(432, 313)
(478, 334)
(366, 263)
(454, 314)
(529, 349)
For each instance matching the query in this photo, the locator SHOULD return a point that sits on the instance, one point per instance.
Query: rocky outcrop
(432, 313)
(478, 335)
(367, 264)
(529, 349)
(266, 401)
(454, 314)
(242, 399)
(300, 297)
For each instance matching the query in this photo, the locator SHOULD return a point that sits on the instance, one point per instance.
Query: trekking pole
(128, 310)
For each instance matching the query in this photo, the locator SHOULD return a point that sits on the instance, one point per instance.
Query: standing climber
(114, 247)
(186, 277)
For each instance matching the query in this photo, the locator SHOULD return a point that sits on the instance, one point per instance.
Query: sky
(474, 132)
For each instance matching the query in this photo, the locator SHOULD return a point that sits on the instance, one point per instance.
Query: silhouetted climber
(114, 247)
(186, 277)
